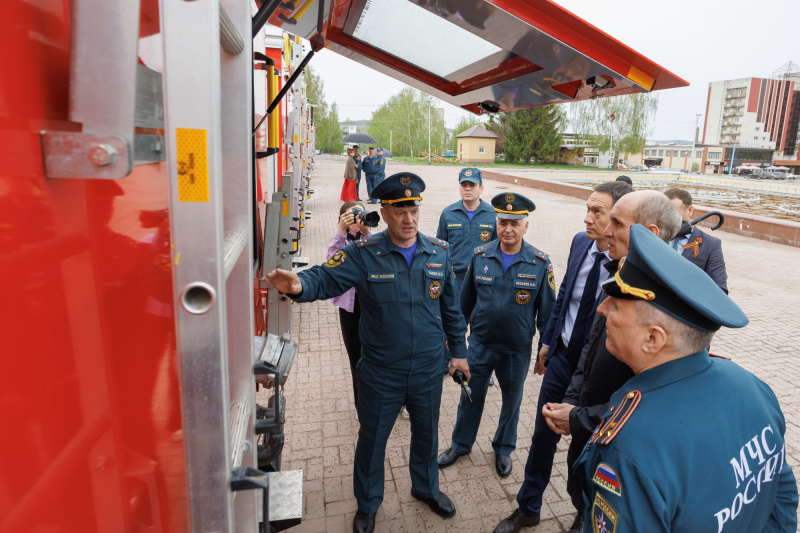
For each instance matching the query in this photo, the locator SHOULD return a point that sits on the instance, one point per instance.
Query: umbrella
(387, 153)
(359, 138)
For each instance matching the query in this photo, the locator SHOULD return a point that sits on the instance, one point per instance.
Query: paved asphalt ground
(321, 425)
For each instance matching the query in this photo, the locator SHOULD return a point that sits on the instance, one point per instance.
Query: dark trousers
(352, 342)
(358, 183)
(382, 395)
(574, 485)
(544, 441)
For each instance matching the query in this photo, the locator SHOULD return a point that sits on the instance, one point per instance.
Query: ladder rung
(240, 416)
(229, 38)
(235, 243)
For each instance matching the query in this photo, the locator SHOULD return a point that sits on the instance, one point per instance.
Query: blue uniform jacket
(703, 450)
(381, 166)
(371, 165)
(406, 314)
(504, 309)
(464, 235)
(358, 159)
(577, 254)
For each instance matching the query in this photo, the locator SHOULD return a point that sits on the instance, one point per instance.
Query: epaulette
(540, 254)
(439, 242)
(610, 427)
(480, 249)
(372, 240)
(718, 356)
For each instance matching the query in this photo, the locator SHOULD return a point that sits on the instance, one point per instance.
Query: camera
(368, 218)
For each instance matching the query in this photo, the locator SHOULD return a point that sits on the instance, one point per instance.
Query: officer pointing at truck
(409, 308)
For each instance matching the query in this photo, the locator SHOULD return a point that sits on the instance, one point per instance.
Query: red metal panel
(89, 396)
(755, 89)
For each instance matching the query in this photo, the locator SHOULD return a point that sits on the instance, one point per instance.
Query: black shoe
(363, 522)
(577, 524)
(448, 457)
(516, 522)
(502, 463)
(439, 504)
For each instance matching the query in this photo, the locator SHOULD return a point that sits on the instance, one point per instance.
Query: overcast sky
(698, 40)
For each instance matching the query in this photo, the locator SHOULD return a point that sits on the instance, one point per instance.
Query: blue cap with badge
(470, 174)
(511, 206)
(400, 190)
(653, 272)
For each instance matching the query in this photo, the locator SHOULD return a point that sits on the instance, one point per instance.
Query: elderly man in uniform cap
(467, 223)
(692, 442)
(409, 308)
(508, 294)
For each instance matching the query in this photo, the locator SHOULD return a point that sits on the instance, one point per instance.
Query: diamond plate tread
(285, 496)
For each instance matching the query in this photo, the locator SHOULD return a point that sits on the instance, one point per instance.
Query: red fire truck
(155, 160)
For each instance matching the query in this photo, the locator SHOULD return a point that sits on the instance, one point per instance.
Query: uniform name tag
(524, 284)
(383, 276)
(454, 225)
(484, 279)
(486, 226)
(438, 274)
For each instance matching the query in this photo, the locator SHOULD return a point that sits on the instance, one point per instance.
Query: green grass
(499, 163)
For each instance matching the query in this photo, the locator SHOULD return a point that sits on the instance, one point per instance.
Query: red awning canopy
(495, 55)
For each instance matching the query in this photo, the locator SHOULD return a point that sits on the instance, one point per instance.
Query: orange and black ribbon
(694, 244)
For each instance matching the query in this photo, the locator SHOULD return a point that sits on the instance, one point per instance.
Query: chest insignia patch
(523, 297)
(550, 280)
(486, 235)
(605, 477)
(435, 289)
(604, 517)
(336, 259)
(486, 269)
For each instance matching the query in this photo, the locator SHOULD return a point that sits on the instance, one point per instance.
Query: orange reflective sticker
(192, 154)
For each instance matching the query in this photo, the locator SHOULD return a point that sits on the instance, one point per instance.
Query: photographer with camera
(354, 224)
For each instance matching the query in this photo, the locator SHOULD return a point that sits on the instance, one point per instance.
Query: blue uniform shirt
(358, 159)
(698, 446)
(504, 309)
(381, 164)
(371, 165)
(407, 314)
(464, 234)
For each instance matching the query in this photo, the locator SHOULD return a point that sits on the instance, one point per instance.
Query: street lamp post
(429, 130)
(694, 140)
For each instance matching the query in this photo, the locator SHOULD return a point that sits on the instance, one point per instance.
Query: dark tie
(585, 310)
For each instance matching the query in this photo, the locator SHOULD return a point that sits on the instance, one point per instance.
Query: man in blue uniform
(468, 223)
(372, 169)
(691, 442)
(409, 308)
(508, 294)
(358, 159)
(382, 166)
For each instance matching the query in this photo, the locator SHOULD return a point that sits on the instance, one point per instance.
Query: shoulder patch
(439, 242)
(606, 477)
(610, 427)
(604, 517)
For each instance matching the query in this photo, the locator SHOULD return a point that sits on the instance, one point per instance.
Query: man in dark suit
(599, 373)
(700, 248)
(561, 345)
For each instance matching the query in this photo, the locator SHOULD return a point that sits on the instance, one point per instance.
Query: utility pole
(694, 140)
(733, 156)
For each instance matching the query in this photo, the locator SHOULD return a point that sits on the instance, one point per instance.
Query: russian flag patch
(607, 478)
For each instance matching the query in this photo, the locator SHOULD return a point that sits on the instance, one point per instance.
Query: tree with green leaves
(534, 133)
(326, 119)
(498, 124)
(463, 124)
(401, 124)
(633, 114)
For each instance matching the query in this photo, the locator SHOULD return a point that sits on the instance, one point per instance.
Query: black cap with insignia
(654, 272)
(400, 190)
(510, 205)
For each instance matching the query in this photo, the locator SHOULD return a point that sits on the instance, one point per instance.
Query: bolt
(102, 155)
